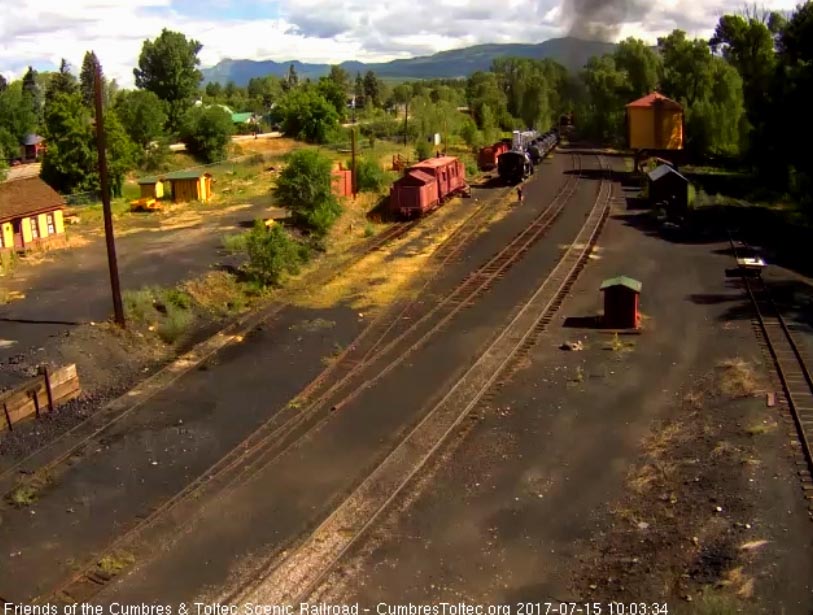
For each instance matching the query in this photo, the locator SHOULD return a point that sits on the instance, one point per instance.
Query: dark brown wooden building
(621, 303)
(668, 189)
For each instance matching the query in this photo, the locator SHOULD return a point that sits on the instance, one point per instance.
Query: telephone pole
(353, 160)
(118, 308)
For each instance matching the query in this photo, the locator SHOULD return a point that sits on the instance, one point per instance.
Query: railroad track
(792, 369)
(294, 575)
(278, 433)
(313, 404)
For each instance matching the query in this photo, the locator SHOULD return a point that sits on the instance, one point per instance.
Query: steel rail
(90, 580)
(292, 577)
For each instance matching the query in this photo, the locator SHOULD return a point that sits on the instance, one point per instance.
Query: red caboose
(427, 184)
(487, 158)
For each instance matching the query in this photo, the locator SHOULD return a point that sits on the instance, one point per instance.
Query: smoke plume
(602, 19)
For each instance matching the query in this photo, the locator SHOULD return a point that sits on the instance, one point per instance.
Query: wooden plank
(20, 404)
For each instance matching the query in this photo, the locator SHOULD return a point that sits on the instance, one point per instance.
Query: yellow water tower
(654, 124)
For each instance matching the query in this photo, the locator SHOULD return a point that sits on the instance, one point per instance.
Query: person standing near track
(519, 194)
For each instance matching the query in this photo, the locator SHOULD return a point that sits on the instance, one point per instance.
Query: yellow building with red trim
(180, 186)
(655, 123)
(30, 214)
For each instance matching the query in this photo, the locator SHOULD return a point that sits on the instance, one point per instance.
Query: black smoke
(602, 19)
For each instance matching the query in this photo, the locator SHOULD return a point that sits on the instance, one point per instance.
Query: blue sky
(41, 32)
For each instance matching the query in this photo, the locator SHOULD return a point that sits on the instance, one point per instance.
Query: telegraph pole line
(118, 308)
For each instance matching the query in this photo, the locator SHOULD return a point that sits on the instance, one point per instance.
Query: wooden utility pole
(118, 308)
(353, 160)
(406, 121)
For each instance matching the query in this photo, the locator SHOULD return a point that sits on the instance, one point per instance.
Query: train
(529, 148)
(487, 156)
(427, 184)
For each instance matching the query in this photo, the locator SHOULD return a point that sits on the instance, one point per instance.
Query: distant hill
(571, 52)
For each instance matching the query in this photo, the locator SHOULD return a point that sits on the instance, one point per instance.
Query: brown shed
(621, 303)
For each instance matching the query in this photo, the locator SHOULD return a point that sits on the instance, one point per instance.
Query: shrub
(304, 186)
(207, 132)
(423, 150)
(175, 323)
(271, 254)
(370, 177)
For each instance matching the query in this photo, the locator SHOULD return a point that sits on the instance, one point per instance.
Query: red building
(341, 181)
(621, 296)
(33, 148)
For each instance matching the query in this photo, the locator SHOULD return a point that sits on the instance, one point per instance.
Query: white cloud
(41, 32)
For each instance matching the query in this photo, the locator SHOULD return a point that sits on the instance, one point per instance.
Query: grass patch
(758, 429)
(737, 378)
(28, 491)
(317, 324)
(218, 292)
(235, 243)
(616, 344)
(114, 563)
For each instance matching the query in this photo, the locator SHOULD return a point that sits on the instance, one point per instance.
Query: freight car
(426, 185)
(487, 157)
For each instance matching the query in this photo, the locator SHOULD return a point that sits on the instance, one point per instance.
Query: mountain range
(569, 51)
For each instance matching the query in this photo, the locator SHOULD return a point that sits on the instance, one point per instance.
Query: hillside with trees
(744, 92)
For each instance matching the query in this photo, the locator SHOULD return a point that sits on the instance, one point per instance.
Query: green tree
(483, 91)
(334, 94)
(793, 92)
(340, 77)
(142, 115)
(305, 114)
(121, 152)
(87, 78)
(3, 84)
(32, 92)
(292, 79)
(304, 186)
(168, 67)
(372, 89)
(214, 91)
(603, 115)
(642, 66)
(687, 67)
(358, 91)
(17, 118)
(271, 254)
(263, 92)
(61, 81)
(207, 131)
(69, 164)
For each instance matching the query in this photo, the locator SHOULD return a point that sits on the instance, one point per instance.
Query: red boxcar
(426, 184)
(411, 193)
(487, 158)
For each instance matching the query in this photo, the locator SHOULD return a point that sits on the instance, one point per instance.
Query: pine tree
(87, 78)
(61, 81)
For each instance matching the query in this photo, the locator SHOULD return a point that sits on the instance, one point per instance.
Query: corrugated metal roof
(32, 139)
(663, 171)
(22, 197)
(241, 118)
(655, 97)
(622, 280)
(145, 181)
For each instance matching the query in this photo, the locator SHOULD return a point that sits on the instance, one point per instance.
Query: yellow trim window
(35, 231)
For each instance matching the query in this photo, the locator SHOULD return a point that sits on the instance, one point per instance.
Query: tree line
(744, 92)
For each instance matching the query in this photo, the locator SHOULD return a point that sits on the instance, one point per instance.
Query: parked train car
(514, 166)
(487, 157)
(426, 185)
